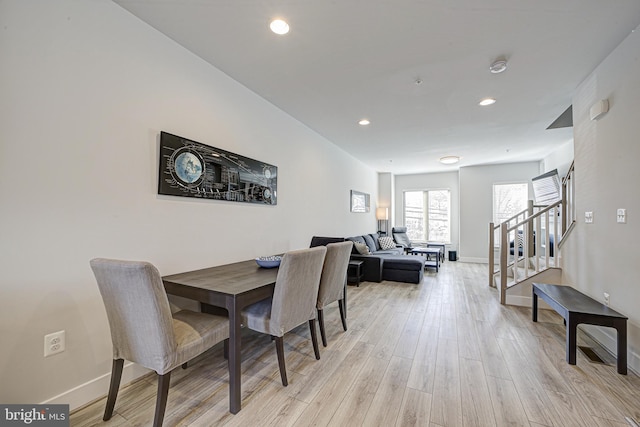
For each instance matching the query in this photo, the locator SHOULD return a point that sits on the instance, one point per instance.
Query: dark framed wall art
(191, 169)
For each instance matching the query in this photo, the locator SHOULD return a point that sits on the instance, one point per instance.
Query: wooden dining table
(231, 287)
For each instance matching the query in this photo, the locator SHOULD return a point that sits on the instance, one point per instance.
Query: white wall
(386, 191)
(603, 256)
(429, 181)
(560, 159)
(476, 203)
(86, 89)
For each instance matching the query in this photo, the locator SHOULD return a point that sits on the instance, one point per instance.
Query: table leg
(621, 328)
(534, 309)
(572, 331)
(235, 333)
(345, 298)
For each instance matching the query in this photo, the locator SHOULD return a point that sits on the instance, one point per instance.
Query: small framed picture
(359, 201)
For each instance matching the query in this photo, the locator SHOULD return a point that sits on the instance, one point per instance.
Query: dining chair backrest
(138, 312)
(334, 273)
(145, 331)
(296, 289)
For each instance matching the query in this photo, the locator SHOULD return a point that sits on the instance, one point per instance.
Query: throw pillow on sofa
(375, 237)
(386, 243)
(371, 243)
(362, 248)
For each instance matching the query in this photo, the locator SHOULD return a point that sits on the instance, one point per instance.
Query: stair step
(521, 276)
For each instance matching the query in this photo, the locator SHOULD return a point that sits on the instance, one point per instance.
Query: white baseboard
(525, 301)
(97, 388)
(519, 300)
(474, 260)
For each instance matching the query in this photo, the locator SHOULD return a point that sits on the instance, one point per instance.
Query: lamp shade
(382, 214)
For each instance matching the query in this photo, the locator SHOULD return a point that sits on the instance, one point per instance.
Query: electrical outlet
(606, 299)
(621, 216)
(54, 343)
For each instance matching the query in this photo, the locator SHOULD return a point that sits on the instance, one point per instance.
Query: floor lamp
(382, 214)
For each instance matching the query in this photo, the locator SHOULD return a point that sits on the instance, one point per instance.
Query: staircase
(529, 243)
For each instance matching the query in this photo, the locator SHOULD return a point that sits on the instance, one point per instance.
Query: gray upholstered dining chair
(293, 302)
(332, 282)
(143, 329)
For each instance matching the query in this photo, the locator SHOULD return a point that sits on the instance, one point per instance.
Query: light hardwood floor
(442, 353)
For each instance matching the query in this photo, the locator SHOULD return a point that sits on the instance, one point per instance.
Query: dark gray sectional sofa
(381, 264)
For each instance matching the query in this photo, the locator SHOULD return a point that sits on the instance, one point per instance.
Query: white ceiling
(348, 59)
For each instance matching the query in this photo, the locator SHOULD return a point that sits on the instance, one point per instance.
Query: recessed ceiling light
(279, 26)
(487, 101)
(364, 122)
(449, 160)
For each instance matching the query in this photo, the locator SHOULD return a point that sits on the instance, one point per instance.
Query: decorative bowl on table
(269, 261)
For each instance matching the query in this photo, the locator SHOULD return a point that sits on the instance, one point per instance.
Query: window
(508, 200)
(427, 215)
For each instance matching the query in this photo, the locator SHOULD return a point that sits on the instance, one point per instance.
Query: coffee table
(442, 248)
(432, 256)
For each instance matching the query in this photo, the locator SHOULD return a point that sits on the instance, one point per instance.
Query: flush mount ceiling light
(498, 66)
(449, 160)
(279, 26)
(364, 122)
(487, 101)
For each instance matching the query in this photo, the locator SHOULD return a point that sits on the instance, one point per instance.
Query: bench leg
(621, 328)
(572, 327)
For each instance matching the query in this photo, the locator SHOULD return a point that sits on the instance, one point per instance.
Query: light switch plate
(621, 216)
(588, 217)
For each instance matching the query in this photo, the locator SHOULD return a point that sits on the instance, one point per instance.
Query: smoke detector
(498, 66)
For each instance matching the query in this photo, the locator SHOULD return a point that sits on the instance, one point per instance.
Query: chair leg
(314, 338)
(161, 399)
(226, 349)
(185, 365)
(281, 365)
(116, 375)
(342, 313)
(323, 335)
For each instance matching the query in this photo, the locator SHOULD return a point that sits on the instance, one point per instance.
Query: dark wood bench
(576, 307)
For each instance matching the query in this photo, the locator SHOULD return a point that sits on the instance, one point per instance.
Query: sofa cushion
(386, 242)
(411, 263)
(362, 248)
(375, 237)
(393, 251)
(356, 239)
(370, 242)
